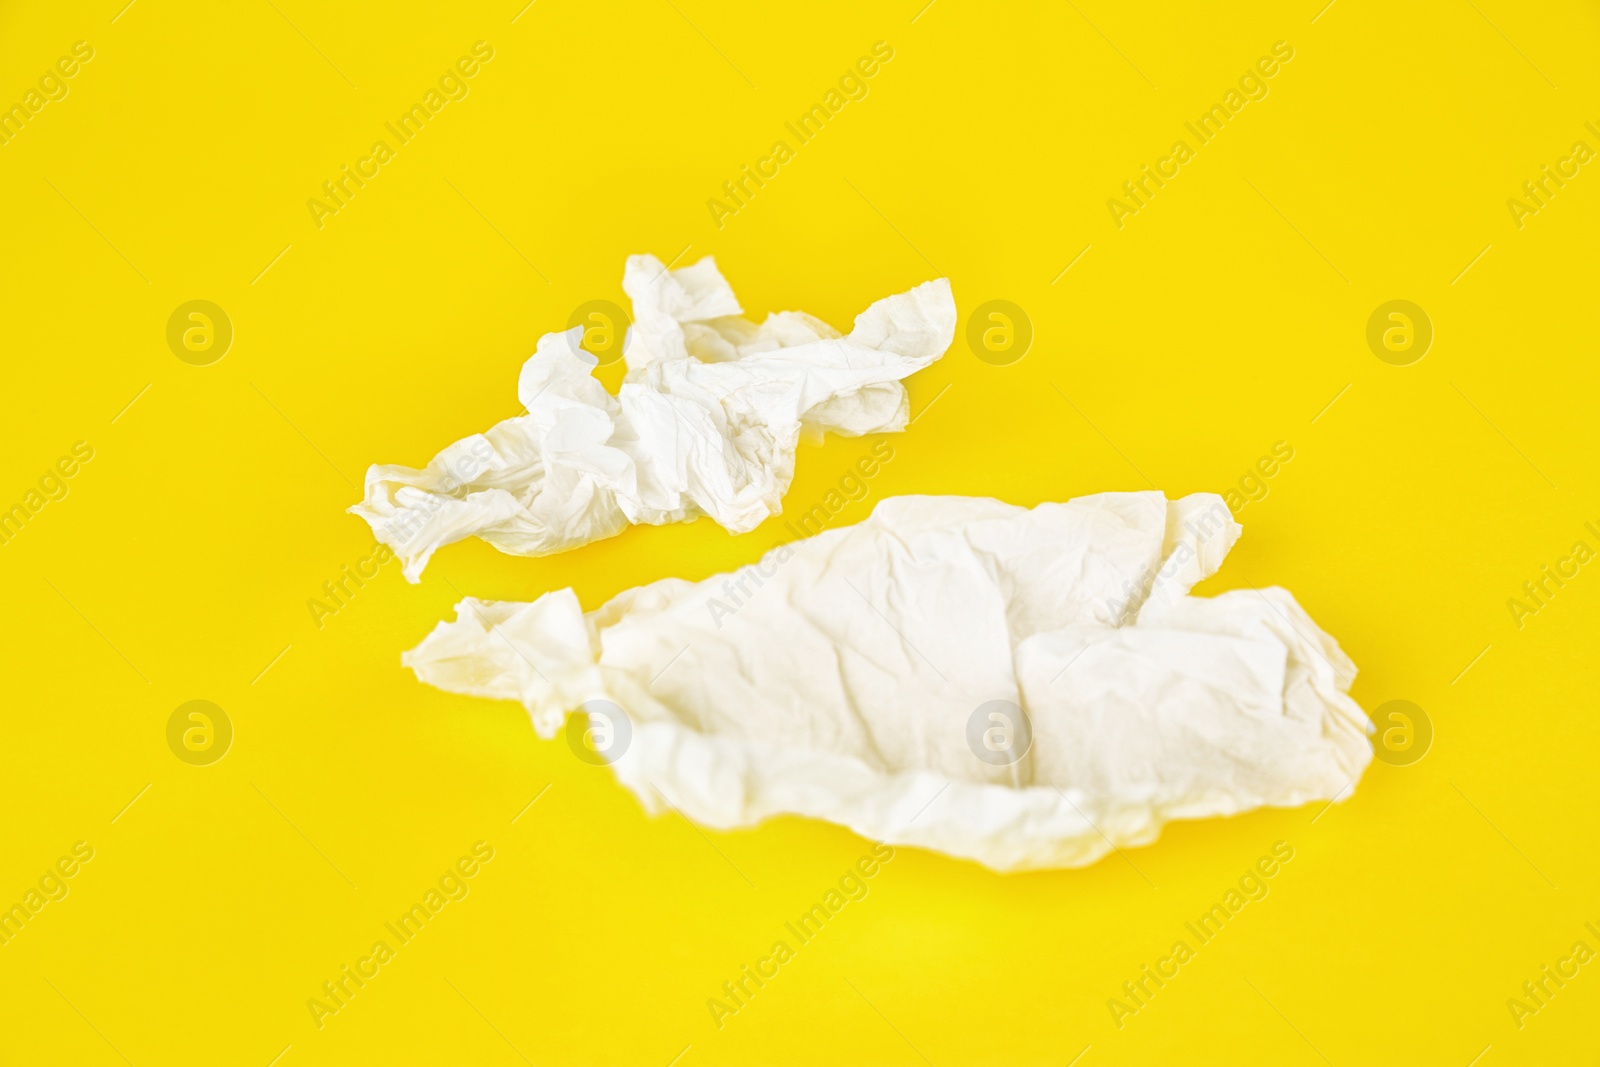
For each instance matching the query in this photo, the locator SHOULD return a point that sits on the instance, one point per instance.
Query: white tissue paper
(706, 421)
(1025, 688)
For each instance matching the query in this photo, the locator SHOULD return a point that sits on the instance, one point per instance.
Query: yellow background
(1222, 318)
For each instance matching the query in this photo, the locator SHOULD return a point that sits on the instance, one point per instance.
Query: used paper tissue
(706, 421)
(1026, 688)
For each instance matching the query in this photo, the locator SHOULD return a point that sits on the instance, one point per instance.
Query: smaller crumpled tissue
(706, 422)
(1023, 687)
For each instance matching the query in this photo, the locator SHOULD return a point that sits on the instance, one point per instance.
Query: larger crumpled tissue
(706, 422)
(1025, 688)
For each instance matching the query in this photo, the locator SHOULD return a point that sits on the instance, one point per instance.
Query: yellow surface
(1221, 318)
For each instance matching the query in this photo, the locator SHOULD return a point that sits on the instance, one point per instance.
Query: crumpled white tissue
(706, 421)
(841, 677)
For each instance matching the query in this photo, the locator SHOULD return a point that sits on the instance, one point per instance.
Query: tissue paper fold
(706, 421)
(1022, 687)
